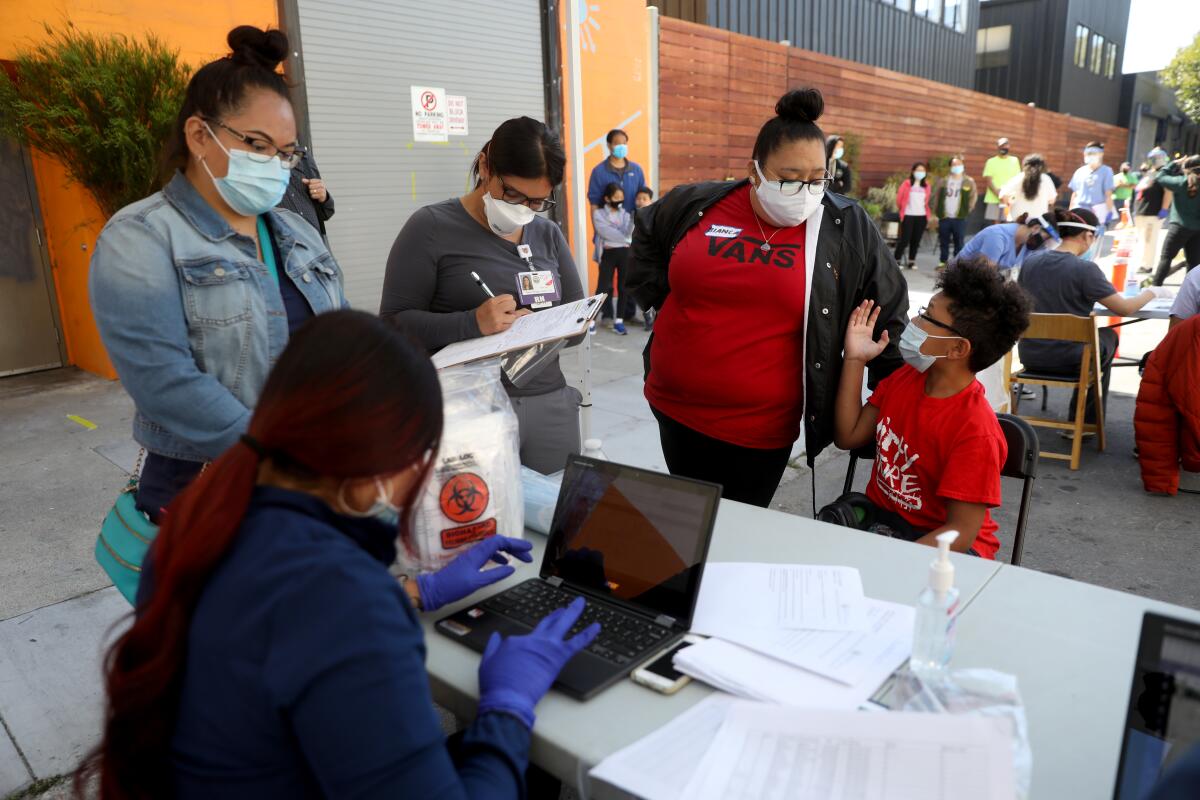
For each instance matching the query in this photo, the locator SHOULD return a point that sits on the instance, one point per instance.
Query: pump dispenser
(933, 633)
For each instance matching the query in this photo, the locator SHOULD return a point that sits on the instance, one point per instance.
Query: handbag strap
(132, 485)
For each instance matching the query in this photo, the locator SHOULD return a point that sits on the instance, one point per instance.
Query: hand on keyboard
(465, 574)
(518, 670)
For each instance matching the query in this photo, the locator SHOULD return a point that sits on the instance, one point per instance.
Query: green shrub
(102, 105)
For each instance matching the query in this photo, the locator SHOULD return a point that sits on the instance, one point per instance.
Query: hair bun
(254, 46)
(802, 105)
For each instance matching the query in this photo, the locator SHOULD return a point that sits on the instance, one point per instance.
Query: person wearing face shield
(1008, 244)
(494, 232)
(272, 653)
(754, 282)
(1151, 202)
(1093, 183)
(1068, 281)
(196, 288)
(938, 446)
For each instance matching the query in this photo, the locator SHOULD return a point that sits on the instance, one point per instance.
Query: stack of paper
(732, 749)
(795, 634)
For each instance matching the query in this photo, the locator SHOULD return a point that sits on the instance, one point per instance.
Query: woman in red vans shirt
(754, 283)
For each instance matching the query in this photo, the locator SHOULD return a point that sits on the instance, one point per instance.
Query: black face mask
(615, 204)
(1003, 151)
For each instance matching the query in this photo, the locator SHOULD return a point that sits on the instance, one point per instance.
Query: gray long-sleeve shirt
(428, 289)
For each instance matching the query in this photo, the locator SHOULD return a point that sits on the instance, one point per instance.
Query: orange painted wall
(72, 218)
(615, 45)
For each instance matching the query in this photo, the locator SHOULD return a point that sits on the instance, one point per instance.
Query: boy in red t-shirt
(938, 446)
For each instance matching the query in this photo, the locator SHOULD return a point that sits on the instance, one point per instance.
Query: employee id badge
(537, 289)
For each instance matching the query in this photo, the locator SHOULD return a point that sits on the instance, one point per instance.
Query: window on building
(1096, 56)
(929, 9)
(900, 4)
(991, 46)
(954, 14)
(1110, 60)
(1081, 43)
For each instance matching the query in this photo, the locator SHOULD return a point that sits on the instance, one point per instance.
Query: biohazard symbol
(464, 497)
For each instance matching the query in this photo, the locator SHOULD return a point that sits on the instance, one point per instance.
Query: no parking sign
(429, 114)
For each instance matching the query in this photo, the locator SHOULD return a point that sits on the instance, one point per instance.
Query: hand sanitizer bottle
(933, 633)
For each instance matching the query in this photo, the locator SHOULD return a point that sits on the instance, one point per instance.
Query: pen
(482, 285)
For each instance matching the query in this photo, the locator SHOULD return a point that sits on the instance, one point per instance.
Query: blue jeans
(950, 229)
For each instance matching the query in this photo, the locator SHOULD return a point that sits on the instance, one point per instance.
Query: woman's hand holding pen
(497, 314)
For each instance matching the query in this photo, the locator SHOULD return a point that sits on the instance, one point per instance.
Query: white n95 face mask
(503, 218)
(781, 210)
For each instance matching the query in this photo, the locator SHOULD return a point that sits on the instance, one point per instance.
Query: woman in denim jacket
(196, 288)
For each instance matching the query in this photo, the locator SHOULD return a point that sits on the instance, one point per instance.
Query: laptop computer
(633, 542)
(1163, 720)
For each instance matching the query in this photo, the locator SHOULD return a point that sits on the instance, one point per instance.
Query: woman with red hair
(273, 655)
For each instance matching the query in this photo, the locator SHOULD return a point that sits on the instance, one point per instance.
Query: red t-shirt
(727, 359)
(932, 449)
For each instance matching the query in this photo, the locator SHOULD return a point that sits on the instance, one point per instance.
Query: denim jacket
(190, 317)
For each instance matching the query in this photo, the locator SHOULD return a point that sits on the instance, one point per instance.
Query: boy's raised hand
(860, 338)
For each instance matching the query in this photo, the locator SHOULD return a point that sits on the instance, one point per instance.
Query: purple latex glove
(465, 574)
(516, 672)
(1162, 213)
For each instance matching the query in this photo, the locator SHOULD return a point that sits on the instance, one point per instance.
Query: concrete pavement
(59, 475)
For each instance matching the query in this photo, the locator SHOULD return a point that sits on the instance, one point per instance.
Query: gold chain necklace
(766, 245)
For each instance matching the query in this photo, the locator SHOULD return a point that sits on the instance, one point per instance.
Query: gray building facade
(932, 39)
(1154, 118)
(1061, 55)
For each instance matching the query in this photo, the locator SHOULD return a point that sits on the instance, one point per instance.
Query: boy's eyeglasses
(921, 313)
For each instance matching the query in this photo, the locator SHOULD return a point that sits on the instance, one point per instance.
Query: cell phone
(659, 673)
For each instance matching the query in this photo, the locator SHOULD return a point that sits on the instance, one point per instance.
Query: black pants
(1108, 350)
(950, 230)
(911, 230)
(615, 260)
(1178, 238)
(746, 474)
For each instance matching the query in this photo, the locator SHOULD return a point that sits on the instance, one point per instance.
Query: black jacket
(852, 264)
(297, 198)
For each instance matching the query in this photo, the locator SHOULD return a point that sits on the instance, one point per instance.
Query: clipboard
(553, 324)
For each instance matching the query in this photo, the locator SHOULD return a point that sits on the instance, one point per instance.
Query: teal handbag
(125, 536)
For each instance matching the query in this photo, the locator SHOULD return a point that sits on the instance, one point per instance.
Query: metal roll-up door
(360, 59)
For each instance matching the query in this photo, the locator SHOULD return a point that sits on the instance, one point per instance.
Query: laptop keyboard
(622, 636)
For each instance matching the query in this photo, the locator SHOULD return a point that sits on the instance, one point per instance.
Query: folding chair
(1021, 463)
(1067, 328)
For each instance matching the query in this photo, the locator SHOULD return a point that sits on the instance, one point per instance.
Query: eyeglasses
(921, 313)
(262, 150)
(792, 188)
(513, 197)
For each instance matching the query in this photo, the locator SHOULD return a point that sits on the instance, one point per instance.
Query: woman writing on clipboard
(493, 232)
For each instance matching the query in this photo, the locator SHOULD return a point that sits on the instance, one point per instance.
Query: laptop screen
(1163, 722)
(632, 534)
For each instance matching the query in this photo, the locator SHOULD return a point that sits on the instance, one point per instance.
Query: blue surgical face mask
(910, 345)
(957, 169)
(620, 150)
(383, 509)
(250, 186)
(1093, 252)
(838, 152)
(918, 176)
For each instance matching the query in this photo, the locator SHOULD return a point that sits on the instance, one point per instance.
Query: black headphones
(851, 510)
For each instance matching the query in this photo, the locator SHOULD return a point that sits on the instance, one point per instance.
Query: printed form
(560, 322)
(766, 752)
(736, 595)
